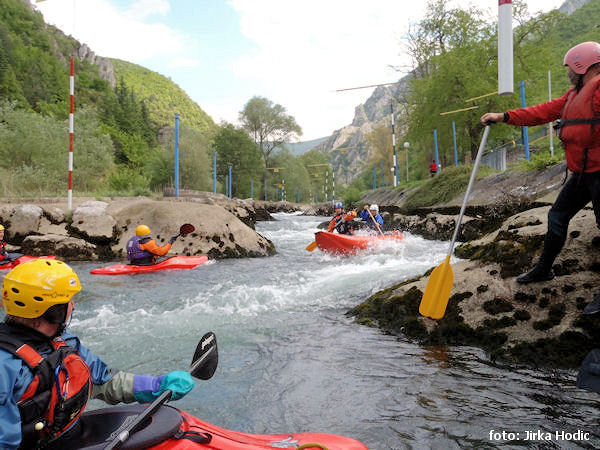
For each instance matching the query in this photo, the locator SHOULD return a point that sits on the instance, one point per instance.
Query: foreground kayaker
(5, 257)
(142, 250)
(342, 222)
(374, 210)
(47, 374)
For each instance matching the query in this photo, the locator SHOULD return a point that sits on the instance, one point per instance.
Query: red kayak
(345, 244)
(170, 428)
(174, 262)
(23, 259)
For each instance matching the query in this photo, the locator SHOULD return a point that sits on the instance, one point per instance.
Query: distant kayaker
(374, 210)
(579, 113)
(47, 374)
(142, 250)
(342, 222)
(5, 257)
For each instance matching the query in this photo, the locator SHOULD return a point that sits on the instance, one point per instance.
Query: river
(290, 360)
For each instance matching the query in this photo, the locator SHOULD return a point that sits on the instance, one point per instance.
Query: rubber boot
(594, 306)
(542, 271)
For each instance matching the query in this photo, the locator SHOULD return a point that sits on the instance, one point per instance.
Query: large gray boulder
(21, 221)
(92, 222)
(66, 247)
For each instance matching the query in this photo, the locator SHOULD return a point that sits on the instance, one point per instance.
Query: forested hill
(124, 116)
(162, 96)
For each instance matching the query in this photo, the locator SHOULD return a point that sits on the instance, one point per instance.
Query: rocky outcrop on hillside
(348, 146)
(99, 229)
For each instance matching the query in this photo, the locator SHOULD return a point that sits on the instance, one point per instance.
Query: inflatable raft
(170, 428)
(23, 259)
(173, 262)
(345, 244)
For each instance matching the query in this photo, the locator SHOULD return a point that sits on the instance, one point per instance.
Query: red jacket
(433, 167)
(576, 137)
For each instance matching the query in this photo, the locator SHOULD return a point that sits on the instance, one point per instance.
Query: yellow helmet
(142, 230)
(1, 227)
(31, 288)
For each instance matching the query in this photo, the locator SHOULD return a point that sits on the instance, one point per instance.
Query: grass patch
(444, 187)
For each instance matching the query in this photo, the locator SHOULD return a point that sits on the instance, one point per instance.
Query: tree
(234, 148)
(268, 124)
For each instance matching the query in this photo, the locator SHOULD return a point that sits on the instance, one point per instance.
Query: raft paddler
(142, 250)
(369, 213)
(342, 222)
(47, 373)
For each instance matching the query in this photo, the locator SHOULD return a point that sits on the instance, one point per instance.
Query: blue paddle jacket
(364, 215)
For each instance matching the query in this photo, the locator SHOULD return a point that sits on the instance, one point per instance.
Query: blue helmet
(338, 205)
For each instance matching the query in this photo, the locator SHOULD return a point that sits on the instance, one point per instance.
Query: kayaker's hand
(173, 239)
(146, 389)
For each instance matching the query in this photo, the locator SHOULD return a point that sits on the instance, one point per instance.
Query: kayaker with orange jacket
(6, 257)
(142, 250)
(579, 113)
(47, 374)
(342, 222)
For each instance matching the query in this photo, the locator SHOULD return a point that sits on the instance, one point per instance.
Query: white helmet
(374, 207)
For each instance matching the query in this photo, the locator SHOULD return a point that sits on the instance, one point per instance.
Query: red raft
(174, 262)
(23, 259)
(345, 244)
(170, 428)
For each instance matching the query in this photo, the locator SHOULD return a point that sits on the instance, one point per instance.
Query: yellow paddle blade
(435, 299)
(310, 247)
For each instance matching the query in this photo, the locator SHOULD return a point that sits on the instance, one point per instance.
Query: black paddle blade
(589, 372)
(186, 228)
(206, 357)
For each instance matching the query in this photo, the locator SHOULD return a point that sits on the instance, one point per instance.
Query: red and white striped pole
(72, 95)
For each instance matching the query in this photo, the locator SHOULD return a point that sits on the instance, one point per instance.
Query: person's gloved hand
(147, 388)
(173, 239)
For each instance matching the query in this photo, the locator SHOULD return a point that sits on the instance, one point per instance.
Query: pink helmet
(582, 56)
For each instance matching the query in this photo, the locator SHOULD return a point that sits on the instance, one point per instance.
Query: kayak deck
(23, 259)
(173, 262)
(350, 243)
(99, 425)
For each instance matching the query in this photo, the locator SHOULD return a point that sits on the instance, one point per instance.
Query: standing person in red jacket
(579, 113)
(433, 168)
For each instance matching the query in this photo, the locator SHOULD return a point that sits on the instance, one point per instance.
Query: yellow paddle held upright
(437, 293)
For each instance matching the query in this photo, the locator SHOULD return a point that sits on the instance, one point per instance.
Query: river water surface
(290, 360)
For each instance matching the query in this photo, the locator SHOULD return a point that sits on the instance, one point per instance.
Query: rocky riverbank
(538, 324)
(98, 229)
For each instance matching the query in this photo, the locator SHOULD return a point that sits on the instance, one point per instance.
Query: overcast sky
(224, 52)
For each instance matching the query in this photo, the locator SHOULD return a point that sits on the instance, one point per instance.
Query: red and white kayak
(345, 244)
(23, 259)
(174, 262)
(170, 428)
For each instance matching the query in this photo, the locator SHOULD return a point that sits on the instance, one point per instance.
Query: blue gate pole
(375, 176)
(230, 190)
(455, 149)
(214, 172)
(252, 190)
(265, 189)
(176, 155)
(525, 129)
(226, 185)
(437, 158)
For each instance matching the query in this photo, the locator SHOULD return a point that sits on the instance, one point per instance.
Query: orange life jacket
(580, 129)
(58, 393)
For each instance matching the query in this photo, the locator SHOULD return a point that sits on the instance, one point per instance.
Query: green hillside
(162, 97)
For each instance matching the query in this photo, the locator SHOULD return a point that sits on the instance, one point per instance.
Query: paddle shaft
(471, 181)
(148, 412)
(375, 222)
